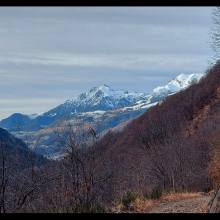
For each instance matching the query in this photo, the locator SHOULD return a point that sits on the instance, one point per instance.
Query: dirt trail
(192, 205)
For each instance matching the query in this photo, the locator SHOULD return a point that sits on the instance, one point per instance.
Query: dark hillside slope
(16, 153)
(169, 146)
(20, 174)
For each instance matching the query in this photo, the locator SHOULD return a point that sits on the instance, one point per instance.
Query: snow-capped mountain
(107, 98)
(100, 99)
(182, 81)
(83, 110)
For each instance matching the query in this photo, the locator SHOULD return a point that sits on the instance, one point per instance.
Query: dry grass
(142, 204)
(139, 205)
(174, 197)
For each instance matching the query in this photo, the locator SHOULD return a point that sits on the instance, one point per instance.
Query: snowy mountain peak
(104, 86)
(105, 90)
(182, 81)
(101, 98)
(187, 79)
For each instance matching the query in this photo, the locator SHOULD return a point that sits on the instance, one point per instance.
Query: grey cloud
(26, 105)
(60, 52)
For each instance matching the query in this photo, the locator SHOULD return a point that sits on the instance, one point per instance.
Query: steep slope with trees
(18, 173)
(171, 146)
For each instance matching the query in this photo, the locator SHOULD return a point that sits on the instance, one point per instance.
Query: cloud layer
(48, 55)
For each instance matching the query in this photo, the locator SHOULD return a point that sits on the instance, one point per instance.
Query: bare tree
(83, 179)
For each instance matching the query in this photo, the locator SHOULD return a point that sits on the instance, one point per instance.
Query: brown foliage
(159, 148)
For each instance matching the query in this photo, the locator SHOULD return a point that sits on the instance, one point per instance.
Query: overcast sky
(51, 54)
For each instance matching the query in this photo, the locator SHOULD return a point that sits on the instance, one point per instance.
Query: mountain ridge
(42, 128)
(101, 98)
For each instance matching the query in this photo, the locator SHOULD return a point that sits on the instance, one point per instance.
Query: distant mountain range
(102, 107)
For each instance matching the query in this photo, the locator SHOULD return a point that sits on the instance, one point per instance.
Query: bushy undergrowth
(128, 198)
